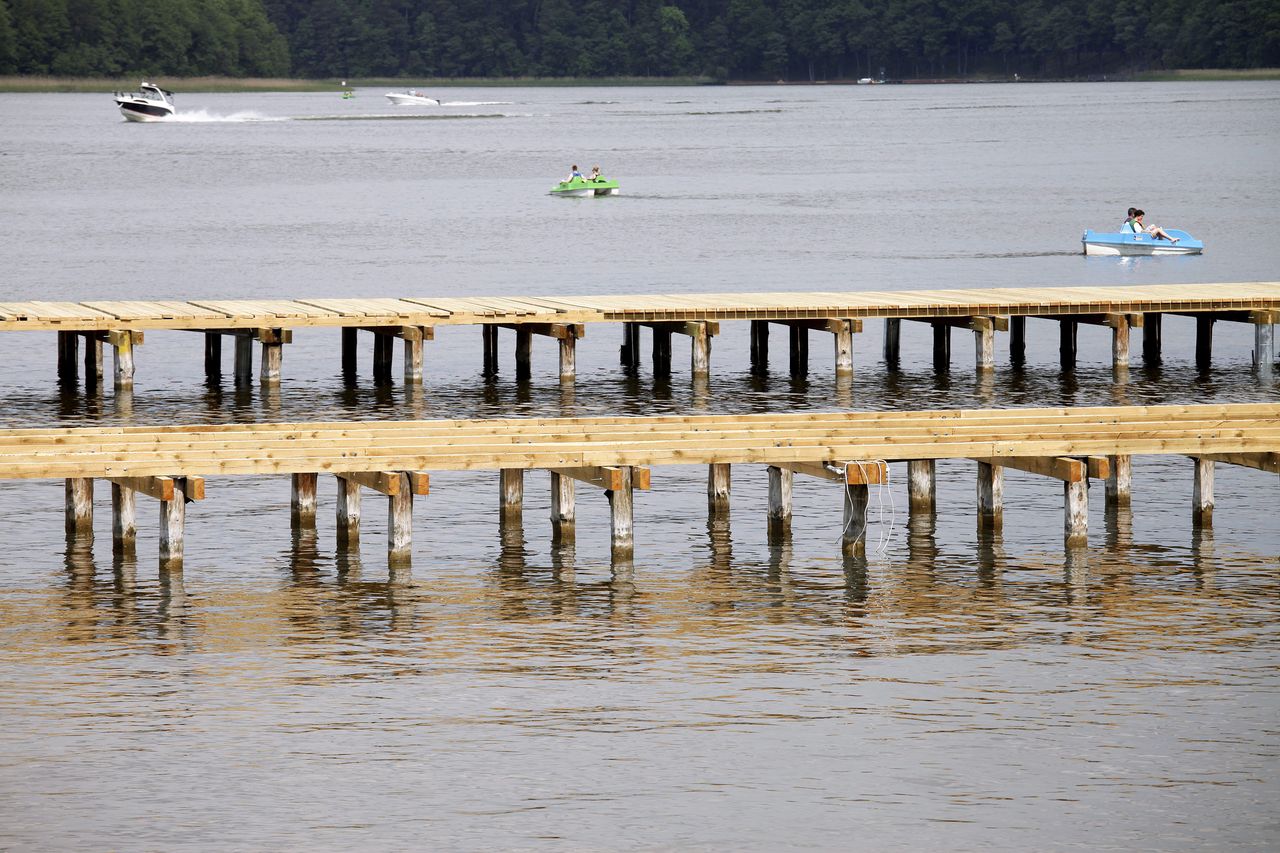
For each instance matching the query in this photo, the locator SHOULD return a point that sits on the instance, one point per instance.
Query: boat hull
(403, 99)
(581, 188)
(144, 111)
(1116, 244)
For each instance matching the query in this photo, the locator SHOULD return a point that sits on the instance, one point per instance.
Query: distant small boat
(585, 187)
(411, 98)
(1127, 244)
(149, 103)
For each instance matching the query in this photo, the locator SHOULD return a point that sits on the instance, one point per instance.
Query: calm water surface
(951, 691)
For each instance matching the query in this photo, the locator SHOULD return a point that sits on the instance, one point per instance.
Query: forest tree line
(718, 39)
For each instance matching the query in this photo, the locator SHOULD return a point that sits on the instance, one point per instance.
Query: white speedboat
(411, 98)
(149, 103)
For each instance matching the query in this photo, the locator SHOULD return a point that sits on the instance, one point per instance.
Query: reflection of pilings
(720, 541)
(856, 584)
(1118, 519)
(1203, 561)
(1075, 572)
(990, 557)
(922, 542)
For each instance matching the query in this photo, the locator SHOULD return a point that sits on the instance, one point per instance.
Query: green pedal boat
(583, 187)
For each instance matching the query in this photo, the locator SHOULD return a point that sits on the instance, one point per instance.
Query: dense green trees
(742, 39)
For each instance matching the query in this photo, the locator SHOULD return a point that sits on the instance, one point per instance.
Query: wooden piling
(892, 341)
(413, 345)
(1202, 492)
(511, 487)
(68, 356)
(569, 357)
(349, 336)
(269, 369)
(400, 519)
(629, 354)
(79, 506)
(1264, 348)
(984, 343)
(799, 349)
(1151, 338)
(173, 516)
(844, 348)
(122, 342)
(1076, 511)
(302, 502)
(1067, 338)
(563, 510)
(700, 357)
(92, 360)
(941, 345)
(1120, 342)
(661, 352)
(383, 353)
(621, 515)
(921, 484)
(1119, 481)
(348, 512)
(718, 480)
(780, 480)
(760, 347)
(853, 540)
(489, 333)
(124, 519)
(243, 358)
(990, 495)
(213, 355)
(1204, 342)
(524, 353)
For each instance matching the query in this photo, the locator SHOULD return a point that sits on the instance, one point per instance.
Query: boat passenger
(1128, 226)
(574, 174)
(1154, 230)
(595, 174)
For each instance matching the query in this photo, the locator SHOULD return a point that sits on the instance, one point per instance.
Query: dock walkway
(854, 449)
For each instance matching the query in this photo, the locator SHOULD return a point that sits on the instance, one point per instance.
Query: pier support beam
(524, 353)
(569, 357)
(1075, 519)
(1017, 341)
(243, 367)
(400, 488)
(621, 514)
(718, 479)
(798, 336)
(892, 342)
(1151, 324)
(348, 512)
(400, 519)
(1068, 329)
(93, 359)
(567, 334)
(302, 500)
(511, 488)
(1074, 473)
(349, 337)
(1120, 481)
(661, 352)
(1120, 340)
(173, 521)
(855, 478)
(383, 352)
(68, 357)
(213, 356)
(700, 333)
(853, 539)
(122, 342)
(79, 506)
(124, 518)
(799, 350)
(990, 495)
(984, 343)
(780, 481)
(921, 484)
(1202, 492)
(941, 346)
(489, 335)
(173, 493)
(1204, 341)
(563, 508)
(760, 347)
(629, 354)
(618, 483)
(1264, 346)
(273, 341)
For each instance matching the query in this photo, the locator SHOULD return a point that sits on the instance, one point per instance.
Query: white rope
(886, 532)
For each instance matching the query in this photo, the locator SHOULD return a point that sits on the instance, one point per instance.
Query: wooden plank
(385, 482)
(160, 488)
(857, 473)
(1260, 461)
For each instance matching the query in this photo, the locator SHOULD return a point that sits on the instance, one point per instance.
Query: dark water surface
(952, 691)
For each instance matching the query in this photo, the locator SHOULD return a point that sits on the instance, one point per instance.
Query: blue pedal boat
(1125, 243)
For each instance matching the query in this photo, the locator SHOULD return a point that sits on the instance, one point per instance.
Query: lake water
(953, 691)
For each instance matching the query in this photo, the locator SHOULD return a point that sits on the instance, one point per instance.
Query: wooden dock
(412, 320)
(614, 455)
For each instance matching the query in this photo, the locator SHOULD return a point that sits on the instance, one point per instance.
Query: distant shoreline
(13, 83)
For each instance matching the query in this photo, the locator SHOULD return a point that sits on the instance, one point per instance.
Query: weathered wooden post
(243, 358)
(629, 354)
(941, 345)
(92, 359)
(621, 515)
(1067, 334)
(780, 481)
(984, 343)
(1017, 341)
(400, 519)
(661, 351)
(1075, 520)
(1119, 481)
(569, 355)
(892, 338)
(1151, 338)
(79, 506)
(68, 354)
(1204, 341)
(1264, 347)
(124, 519)
(701, 356)
(122, 342)
(349, 340)
(922, 483)
(273, 341)
(302, 501)
(1202, 492)
(853, 541)
(383, 353)
(760, 347)
(489, 333)
(1120, 341)
(563, 511)
(718, 479)
(524, 353)
(213, 356)
(173, 516)
(799, 334)
(844, 348)
(348, 512)
(414, 341)
(511, 486)
(990, 495)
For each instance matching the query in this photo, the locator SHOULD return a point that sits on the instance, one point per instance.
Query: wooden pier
(1071, 446)
(412, 320)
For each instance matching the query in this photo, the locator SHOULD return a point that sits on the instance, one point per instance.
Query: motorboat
(149, 103)
(411, 98)
(579, 187)
(1126, 243)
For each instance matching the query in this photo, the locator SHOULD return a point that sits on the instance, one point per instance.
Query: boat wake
(476, 103)
(206, 117)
